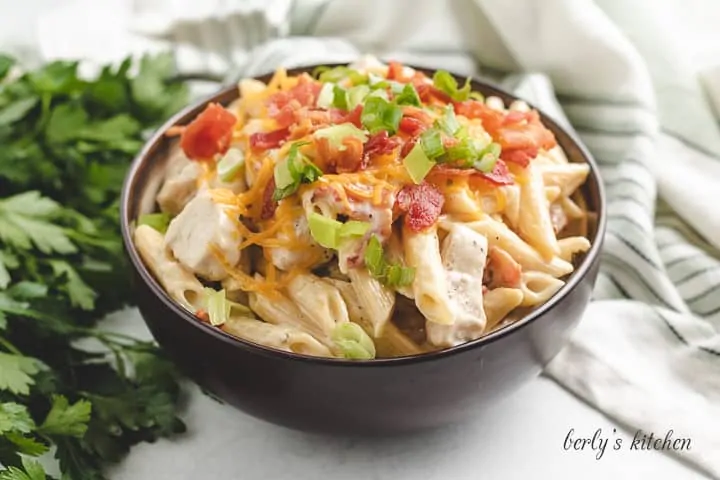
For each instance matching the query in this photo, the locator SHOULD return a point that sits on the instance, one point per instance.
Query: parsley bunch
(65, 144)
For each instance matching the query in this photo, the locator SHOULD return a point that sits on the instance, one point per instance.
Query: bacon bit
(203, 316)
(421, 205)
(267, 140)
(175, 130)
(519, 157)
(499, 176)
(520, 134)
(378, 144)
(408, 145)
(354, 116)
(288, 114)
(209, 134)
(305, 92)
(427, 92)
(268, 204)
(396, 72)
(349, 159)
(412, 126)
(501, 269)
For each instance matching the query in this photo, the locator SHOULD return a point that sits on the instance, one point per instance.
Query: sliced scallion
(230, 164)
(417, 163)
(353, 342)
(158, 221)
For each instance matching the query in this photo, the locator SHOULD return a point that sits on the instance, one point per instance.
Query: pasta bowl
(336, 395)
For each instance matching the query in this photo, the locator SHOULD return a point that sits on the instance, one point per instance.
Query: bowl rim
(188, 112)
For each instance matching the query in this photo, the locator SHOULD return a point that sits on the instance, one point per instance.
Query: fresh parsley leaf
(16, 373)
(31, 470)
(24, 221)
(81, 295)
(26, 444)
(65, 419)
(15, 418)
(17, 110)
(8, 261)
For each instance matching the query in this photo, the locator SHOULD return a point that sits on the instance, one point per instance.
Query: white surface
(522, 438)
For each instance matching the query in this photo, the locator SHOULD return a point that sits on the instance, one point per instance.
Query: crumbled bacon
(499, 175)
(501, 269)
(428, 92)
(408, 146)
(396, 72)
(305, 92)
(378, 144)
(203, 316)
(267, 140)
(421, 205)
(520, 134)
(412, 126)
(209, 134)
(268, 204)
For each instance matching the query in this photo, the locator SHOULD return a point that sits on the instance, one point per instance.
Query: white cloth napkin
(635, 80)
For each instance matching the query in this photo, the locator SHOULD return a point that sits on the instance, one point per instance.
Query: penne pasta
(319, 301)
(499, 302)
(534, 223)
(178, 281)
(281, 337)
(376, 300)
(422, 252)
(538, 287)
(392, 342)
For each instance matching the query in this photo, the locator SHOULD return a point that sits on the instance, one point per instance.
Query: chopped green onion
(216, 305)
(380, 93)
(340, 98)
(158, 221)
(432, 143)
(293, 171)
(445, 82)
(379, 114)
(408, 96)
(477, 96)
(398, 275)
(334, 75)
(356, 95)
(488, 158)
(353, 228)
(283, 176)
(353, 342)
(230, 164)
(325, 231)
(448, 123)
(486, 163)
(468, 149)
(392, 275)
(417, 163)
(374, 79)
(337, 133)
(326, 95)
(374, 257)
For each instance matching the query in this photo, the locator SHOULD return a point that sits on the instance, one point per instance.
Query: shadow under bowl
(382, 396)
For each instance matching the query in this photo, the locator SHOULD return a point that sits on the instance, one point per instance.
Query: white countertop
(519, 439)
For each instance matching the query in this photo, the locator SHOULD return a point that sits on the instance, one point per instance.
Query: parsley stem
(9, 346)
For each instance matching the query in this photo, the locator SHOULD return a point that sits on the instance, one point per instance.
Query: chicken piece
(201, 227)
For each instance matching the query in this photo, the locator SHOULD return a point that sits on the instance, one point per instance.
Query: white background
(519, 439)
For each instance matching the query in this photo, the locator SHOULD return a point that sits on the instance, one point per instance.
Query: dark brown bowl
(339, 396)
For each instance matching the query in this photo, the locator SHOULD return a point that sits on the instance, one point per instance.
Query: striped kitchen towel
(648, 351)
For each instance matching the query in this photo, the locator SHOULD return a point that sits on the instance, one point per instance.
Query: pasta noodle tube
(319, 301)
(500, 235)
(572, 245)
(177, 281)
(280, 310)
(376, 300)
(538, 287)
(393, 342)
(534, 223)
(568, 177)
(461, 205)
(499, 302)
(464, 252)
(282, 337)
(422, 252)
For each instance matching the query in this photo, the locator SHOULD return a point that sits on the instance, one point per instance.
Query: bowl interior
(148, 169)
